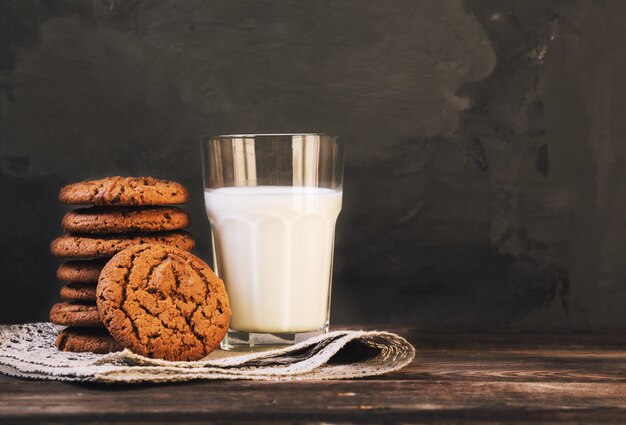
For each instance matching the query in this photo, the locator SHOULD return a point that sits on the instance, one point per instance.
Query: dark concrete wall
(486, 153)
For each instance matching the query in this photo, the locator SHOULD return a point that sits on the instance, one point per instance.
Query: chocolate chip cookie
(80, 340)
(74, 314)
(79, 292)
(162, 302)
(81, 271)
(125, 219)
(124, 191)
(83, 246)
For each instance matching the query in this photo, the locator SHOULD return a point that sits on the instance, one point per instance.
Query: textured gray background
(486, 152)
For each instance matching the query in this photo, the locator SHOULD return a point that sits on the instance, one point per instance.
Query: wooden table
(477, 377)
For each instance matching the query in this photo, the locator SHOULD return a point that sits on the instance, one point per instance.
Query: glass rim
(251, 135)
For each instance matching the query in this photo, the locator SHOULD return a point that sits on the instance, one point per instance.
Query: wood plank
(517, 357)
(516, 366)
(336, 400)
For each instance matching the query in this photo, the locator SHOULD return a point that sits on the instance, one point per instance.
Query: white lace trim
(28, 351)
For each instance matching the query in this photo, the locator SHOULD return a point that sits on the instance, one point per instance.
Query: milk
(273, 247)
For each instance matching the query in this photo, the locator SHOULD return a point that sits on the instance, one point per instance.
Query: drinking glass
(273, 201)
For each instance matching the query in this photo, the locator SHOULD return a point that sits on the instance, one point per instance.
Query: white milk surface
(274, 249)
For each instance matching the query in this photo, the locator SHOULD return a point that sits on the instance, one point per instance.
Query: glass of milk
(273, 200)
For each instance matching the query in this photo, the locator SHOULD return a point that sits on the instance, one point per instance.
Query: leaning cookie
(82, 340)
(125, 219)
(124, 191)
(74, 246)
(162, 302)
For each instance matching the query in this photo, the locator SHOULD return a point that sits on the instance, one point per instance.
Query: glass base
(253, 341)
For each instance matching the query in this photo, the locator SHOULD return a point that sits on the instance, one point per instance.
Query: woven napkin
(28, 351)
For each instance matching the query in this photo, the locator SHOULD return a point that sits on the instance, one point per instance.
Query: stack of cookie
(124, 211)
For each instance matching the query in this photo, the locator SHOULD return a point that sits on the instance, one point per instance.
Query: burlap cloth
(28, 351)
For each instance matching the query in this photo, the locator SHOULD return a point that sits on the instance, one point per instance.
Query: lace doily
(28, 351)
